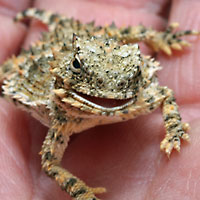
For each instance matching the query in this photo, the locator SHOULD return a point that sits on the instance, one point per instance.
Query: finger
(10, 7)
(177, 178)
(15, 176)
(181, 71)
(15, 179)
(11, 35)
(104, 12)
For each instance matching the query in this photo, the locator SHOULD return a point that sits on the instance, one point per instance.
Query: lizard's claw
(168, 40)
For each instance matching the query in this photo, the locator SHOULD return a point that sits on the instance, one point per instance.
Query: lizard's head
(101, 68)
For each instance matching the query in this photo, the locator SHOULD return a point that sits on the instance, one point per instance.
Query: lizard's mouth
(101, 104)
(104, 102)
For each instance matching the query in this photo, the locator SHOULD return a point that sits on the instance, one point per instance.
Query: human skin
(123, 157)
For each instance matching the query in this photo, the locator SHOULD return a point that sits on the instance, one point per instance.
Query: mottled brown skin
(60, 77)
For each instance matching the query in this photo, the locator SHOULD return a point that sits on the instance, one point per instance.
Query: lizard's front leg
(46, 17)
(175, 129)
(52, 152)
(157, 40)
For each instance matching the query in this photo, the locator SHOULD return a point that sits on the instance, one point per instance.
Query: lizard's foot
(87, 193)
(168, 40)
(172, 138)
(75, 187)
(81, 191)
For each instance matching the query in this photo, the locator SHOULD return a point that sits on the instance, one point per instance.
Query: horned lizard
(64, 78)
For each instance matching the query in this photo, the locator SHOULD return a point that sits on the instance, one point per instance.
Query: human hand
(124, 157)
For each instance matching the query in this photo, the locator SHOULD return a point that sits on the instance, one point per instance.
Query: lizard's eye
(137, 71)
(76, 65)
